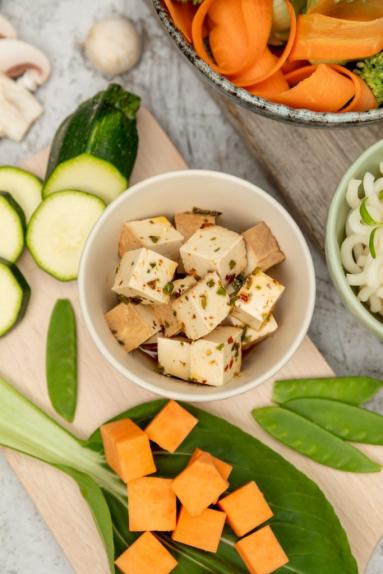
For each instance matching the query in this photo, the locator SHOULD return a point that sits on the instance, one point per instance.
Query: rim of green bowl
(332, 247)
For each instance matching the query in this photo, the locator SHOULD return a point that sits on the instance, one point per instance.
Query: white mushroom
(25, 62)
(7, 30)
(113, 46)
(18, 109)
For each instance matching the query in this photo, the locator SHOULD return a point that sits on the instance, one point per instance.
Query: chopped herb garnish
(152, 284)
(220, 347)
(210, 283)
(154, 238)
(213, 238)
(159, 369)
(232, 264)
(153, 264)
(199, 211)
(203, 301)
(216, 250)
(238, 282)
(221, 291)
(168, 289)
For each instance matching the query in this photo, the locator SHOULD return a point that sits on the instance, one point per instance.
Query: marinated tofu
(262, 248)
(252, 336)
(165, 313)
(188, 223)
(146, 275)
(157, 234)
(214, 248)
(216, 358)
(256, 299)
(203, 307)
(132, 325)
(174, 357)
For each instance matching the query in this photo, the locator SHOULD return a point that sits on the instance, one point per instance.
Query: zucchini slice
(95, 148)
(24, 187)
(58, 230)
(12, 226)
(14, 296)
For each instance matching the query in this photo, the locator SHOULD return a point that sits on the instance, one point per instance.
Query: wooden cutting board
(357, 499)
(306, 164)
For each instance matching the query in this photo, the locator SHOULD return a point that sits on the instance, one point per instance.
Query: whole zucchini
(95, 148)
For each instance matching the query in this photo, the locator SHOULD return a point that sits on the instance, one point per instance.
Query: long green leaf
(304, 521)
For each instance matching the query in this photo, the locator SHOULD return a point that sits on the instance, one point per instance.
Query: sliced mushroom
(6, 28)
(25, 62)
(18, 109)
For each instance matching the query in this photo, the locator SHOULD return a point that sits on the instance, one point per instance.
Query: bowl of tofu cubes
(196, 285)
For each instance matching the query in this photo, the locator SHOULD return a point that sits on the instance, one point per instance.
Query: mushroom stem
(21, 60)
(18, 109)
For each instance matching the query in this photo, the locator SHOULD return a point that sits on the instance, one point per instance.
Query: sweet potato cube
(261, 552)
(199, 485)
(246, 508)
(145, 556)
(203, 531)
(224, 468)
(152, 505)
(127, 449)
(171, 426)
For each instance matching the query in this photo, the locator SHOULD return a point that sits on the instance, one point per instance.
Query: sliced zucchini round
(14, 296)
(58, 230)
(24, 187)
(12, 228)
(89, 174)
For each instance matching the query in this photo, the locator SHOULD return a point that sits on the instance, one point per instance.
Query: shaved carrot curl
(270, 87)
(357, 10)
(363, 99)
(252, 76)
(182, 15)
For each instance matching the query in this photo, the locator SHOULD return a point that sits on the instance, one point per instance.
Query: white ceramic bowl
(242, 204)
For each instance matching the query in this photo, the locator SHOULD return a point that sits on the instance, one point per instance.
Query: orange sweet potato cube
(145, 556)
(152, 505)
(246, 508)
(261, 552)
(224, 468)
(127, 449)
(199, 485)
(171, 426)
(203, 531)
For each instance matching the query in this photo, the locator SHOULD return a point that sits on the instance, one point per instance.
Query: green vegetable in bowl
(310, 533)
(281, 20)
(371, 71)
(313, 441)
(61, 359)
(344, 421)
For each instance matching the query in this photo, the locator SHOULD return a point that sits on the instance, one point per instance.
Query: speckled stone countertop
(206, 140)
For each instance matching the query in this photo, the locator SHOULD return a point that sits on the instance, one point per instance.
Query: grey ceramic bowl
(254, 103)
(335, 233)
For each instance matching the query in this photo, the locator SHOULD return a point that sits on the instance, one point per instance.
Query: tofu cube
(157, 234)
(252, 336)
(171, 426)
(203, 531)
(261, 552)
(202, 307)
(145, 556)
(217, 249)
(256, 299)
(132, 325)
(145, 274)
(262, 248)
(165, 313)
(188, 223)
(152, 505)
(246, 508)
(174, 357)
(216, 358)
(198, 486)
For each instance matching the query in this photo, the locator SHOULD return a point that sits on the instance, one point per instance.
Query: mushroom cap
(7, 30)
(113, 45)
(18, 58)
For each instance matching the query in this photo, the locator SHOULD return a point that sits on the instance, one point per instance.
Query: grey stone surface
(205, 138)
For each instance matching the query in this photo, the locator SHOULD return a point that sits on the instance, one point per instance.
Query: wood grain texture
(103, 393)
(306, 164)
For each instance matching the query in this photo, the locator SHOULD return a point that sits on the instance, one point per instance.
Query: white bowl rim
(221, 393)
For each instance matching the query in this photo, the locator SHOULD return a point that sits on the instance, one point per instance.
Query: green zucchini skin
(104, 126)
(13, 203)
(25, 288)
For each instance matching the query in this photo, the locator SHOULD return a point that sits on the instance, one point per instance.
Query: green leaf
(345, 421)
(304, 521)
(99, 508)
(61, 359)
(352, 390)
(312, 441)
